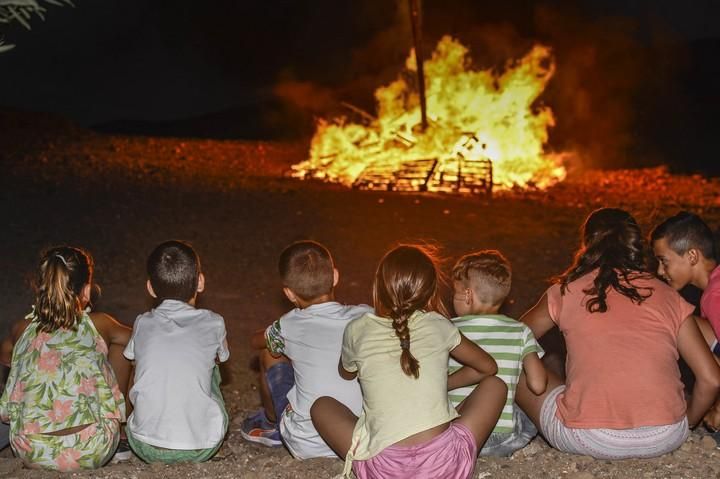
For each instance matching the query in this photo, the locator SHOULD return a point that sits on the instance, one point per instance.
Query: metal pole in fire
(416, 21)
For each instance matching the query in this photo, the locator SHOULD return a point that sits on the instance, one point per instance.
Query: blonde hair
(63, 273)
(486, 272)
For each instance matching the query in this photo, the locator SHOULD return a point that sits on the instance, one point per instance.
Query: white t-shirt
(312, 339)
(174, 347)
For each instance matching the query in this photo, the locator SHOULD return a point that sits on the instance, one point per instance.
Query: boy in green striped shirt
(482, 282)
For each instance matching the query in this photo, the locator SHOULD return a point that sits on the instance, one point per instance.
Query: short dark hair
(306, 268)
(686, 231)
(487, 272)
(174, 268)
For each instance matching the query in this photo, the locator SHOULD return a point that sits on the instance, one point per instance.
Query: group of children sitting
(397, 389)
(70, 369)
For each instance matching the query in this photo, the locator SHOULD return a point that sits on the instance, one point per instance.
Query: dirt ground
(120, 196)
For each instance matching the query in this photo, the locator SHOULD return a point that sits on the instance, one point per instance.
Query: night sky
(112, 60)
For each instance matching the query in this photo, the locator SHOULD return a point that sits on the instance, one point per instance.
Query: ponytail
(63, 273)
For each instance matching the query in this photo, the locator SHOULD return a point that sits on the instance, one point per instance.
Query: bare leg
(266, 362)
(335, 424)
(480, 411)
(712, 417)
(532, 403)
(707, 332)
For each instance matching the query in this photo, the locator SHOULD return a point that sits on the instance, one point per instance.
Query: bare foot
(712, 418)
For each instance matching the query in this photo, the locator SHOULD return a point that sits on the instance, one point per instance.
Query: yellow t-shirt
(395, 405)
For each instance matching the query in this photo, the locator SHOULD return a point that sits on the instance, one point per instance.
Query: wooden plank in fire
(411, 175)
(467, 176)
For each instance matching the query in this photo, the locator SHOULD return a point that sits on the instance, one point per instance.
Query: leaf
(6, 46)
(20, 3)
(19, 18)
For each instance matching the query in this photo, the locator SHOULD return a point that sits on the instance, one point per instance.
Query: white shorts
(611, 444)
(300, 437)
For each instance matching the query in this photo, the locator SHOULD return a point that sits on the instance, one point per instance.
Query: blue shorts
(715, 348)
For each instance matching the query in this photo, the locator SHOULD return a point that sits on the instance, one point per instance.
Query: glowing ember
(474, 116)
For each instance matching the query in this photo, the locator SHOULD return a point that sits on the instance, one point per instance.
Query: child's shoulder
(355, 311)
(713, 285)
(328, 310)
(159, 314)
(209, 313)
(485, 320)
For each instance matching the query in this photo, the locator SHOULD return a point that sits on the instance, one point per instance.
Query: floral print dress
(57, 381)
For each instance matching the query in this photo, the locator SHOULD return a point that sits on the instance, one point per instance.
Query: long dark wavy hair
(407, 280)
(612, 244)
(63, 273)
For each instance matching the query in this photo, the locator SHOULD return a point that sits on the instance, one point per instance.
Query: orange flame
(473, 116)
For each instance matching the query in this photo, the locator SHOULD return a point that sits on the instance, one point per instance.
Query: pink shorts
(450, 455)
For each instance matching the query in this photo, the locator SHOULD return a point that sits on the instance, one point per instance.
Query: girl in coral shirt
(624, 330)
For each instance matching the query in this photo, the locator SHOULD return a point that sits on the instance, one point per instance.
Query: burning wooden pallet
(450, 175)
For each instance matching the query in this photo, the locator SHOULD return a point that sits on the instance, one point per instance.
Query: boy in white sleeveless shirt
(299, 355)
(481, 283)
(179, 413)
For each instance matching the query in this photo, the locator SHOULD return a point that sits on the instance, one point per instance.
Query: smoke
(607, 75)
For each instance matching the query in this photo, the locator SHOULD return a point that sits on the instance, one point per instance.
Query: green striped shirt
(508, 341)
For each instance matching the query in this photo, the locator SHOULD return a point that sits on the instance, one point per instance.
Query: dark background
(636, 83)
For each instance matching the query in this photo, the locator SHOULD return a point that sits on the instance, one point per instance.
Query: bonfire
(485, 129)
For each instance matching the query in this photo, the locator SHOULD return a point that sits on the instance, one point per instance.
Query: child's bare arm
(476, 364)
(8, 342)
(694, 351)
(535, 373)
(116, 336)
(257, 340)
(344, 373)
(112, 331)
(538, 318)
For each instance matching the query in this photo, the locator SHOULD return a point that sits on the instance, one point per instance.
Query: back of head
(686, 231)
(63, 273)
(407, 279)
(173, 268)
(307, 269)
(487, 273)
(613, 245)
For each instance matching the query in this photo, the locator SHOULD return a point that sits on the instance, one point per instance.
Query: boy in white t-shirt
(299, 355)
(179, 414)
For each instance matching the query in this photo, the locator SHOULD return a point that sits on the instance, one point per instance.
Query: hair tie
(58, 255)
(404, 344)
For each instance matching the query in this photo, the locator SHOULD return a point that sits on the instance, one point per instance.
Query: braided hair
(614, 246)
(406, 281)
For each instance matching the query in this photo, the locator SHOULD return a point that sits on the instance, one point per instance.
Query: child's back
(62, 398)
(174, 347)
(481, 283)
(179, 414)
(312, 339)
(508, 341)
(299, 355)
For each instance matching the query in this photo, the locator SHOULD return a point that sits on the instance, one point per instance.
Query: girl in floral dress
(62, 399)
